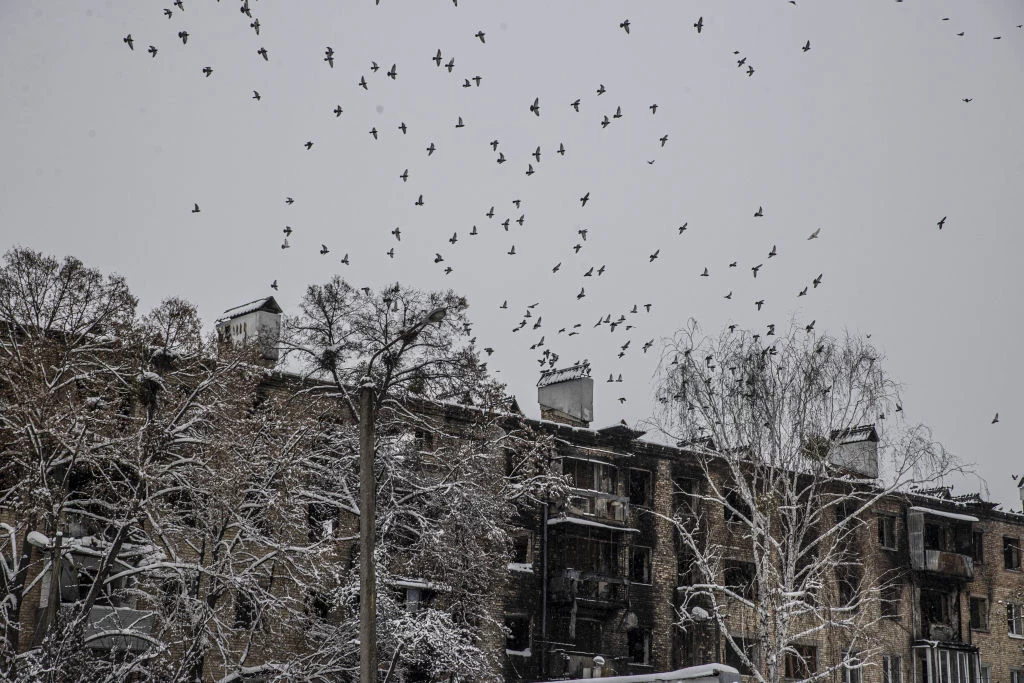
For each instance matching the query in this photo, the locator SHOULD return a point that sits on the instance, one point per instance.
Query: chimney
(258, 322)
(856, 449)
(567, 395)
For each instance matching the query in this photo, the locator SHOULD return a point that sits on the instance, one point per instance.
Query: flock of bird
(532, 319)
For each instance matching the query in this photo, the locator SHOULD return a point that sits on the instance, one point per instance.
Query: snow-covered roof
(268, 304)
(943, 513)
(855, 434)
(621, 431)
(554, 376)
(590, 523)
(689, 673)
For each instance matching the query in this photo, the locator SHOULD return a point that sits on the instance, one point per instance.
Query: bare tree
(773, 530)
(447, 488)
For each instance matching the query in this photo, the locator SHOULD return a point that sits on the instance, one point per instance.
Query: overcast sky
(864, 136)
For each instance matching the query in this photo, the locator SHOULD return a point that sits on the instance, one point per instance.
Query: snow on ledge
(943, 513)
(587, 522)
(519, 653)
(525, 567)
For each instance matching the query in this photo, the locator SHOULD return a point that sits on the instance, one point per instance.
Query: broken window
(418, 598)
(246, 609)
(848, 578)
(589, 554)
(322, 520)
(887, 531)
(935, 606)
(741, 579)
(640, 564)
(978, 547)
(852, 668)
(801, 662)
(640, 488)
(890, 599)
(979, 614)
(684, 491)
(1011, 553)
(735, 508)
(639, 646)
(750, 650)
(518, 638)
(521, 548)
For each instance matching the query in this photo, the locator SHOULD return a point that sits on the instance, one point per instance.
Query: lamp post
(368, 504)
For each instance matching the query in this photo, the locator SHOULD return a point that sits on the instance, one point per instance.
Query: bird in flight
(393, 73)
(584, 199)
(460, 124)
(605, 122)
(362, 83)
(405, 176)
(759, 303)
(750, 70)
(344, 260)
(501, 157)
(803, 292)
(129, 41)
(390, 252)
(654, 255)
(262, 52)
(289, 200)
(152, 51)
(329, 56)
(967, 99)
(374, 66)
(757, 268)
(287, 230)
(699, 25)
(512, 251)
(807, 46)
(324, 249)
(338, 111)
(682, 228)
(535, 107)
(309, 144)
(654, 108)
(373, 132)
(814, 235)
(759, 212)
(480, 35)
(181, 34)
(419, 202)
(705, 273)
(437, 58)
(430, 149)
(625, 26)
(397, 232)
(995, 419)
(402, 127)
(256, 95)
(255, 25)
(773, 252)
(600, 89)
(575, 104)
(195, 208)
(168, 13)
(561, 149)
(941, 222)
(273, 285)
(817, 281)
(581, 294)
(285, 245)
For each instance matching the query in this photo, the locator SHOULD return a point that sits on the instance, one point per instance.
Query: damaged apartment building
(593, 586)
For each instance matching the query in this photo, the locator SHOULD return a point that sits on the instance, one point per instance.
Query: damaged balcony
(589, 589)
(940, 542)
(606, 507)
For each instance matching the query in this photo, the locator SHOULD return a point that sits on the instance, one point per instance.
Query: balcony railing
(944, 562)
(601, 591)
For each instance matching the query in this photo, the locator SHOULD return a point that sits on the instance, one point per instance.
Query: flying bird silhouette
(130, 42)
(480, 35)
(699, 25)
(941, 223)
(584, 199)
(535, 107)
(759, 212)
(329, 56)
(814, 235)
(807, 46)
(195, 208)
(625, 26)
(207, 71)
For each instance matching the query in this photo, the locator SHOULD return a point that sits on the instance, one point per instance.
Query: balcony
(119, 627)
(596, 505)
(940, 542)
(591, 589)
(942, 632)
(944, 562)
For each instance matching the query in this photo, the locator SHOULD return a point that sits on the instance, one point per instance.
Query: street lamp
(368, 504)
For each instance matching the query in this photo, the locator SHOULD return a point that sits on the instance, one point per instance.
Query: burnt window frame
(639, 641)
(647, 486)
(522, 621)
(983, 621)
(646, 556)
(801, 665)
(1011, 553)
(978, 546)
(888, 537)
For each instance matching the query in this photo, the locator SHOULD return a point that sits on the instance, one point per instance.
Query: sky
(865, 137)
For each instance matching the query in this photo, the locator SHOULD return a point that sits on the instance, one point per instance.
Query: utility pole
(367, 540)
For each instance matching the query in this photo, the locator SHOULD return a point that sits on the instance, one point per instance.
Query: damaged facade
(593, 584)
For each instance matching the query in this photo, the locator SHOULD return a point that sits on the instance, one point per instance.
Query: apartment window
(848, 578)
(1015, 619)
(588, 635)
(246, 610)
(640, 564)
(801, 662)
(890, 599)
(750, 650)
(852, 667)
(1011, 553)
(985, 674)
(521, 548)
(684, 491)
(979, 614)
(978, 547)
(640, 488)
(735, 508)
(935, 606)
(321, 520)
(1016, 676)
(741, 579)
(887, 531)
(518, 638)
(639, 646)
(892, 669)
(417, 598)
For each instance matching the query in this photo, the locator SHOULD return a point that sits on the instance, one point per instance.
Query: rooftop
(268, 304)
(577, 371)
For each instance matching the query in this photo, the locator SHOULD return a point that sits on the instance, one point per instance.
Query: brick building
(593, 584)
